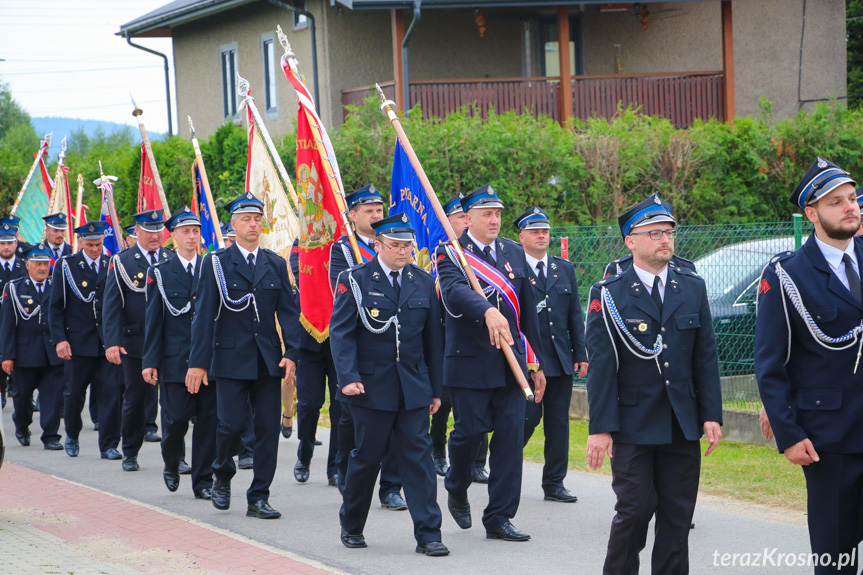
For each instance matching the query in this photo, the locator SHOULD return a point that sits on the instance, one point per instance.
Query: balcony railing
(680, 97)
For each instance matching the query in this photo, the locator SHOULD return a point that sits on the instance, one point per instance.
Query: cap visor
(398, 236)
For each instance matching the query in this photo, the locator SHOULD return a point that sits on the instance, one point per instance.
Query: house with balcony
(680, 59)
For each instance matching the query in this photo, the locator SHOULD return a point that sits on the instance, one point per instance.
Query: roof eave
(161, 25)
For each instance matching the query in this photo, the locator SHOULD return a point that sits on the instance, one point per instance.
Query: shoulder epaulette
(219, 251)
(782, 256)
(687, 272)
(608, 280)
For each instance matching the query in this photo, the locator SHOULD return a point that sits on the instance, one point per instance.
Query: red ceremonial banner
(148, 194)
(320, 220)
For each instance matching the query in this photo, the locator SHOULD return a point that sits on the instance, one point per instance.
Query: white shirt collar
(388, 270)
(246, 252)
(369, 241)
(482, 246)
(647, 278)
(532, 262)
(147, 252)
(36, 282)
(834, 255)
(192, 261)
(90, 261)
(10, 261)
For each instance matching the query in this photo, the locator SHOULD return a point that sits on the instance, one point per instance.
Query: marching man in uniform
(29, 352)
(171, 296)
(242, 290)
(808, 337)
(77, 295)
(387, 350)
(55, 235)
(652, 387)
(485, 394)
(125, 306)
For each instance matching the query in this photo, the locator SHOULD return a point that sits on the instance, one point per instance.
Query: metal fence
(729, 257)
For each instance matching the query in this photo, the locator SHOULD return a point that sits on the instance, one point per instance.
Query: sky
(62, 58)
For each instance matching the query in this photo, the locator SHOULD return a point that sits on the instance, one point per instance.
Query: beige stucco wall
(681, 37)
(767, 53)
(197, 60)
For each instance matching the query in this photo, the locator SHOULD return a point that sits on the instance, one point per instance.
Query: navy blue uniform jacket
(71, 319)
(471, 361)
(628, 396)
(167, 339)
(561, 324)
(28, 342)
(226, 346)
(811, 391)
(124, 308)
(360, 355)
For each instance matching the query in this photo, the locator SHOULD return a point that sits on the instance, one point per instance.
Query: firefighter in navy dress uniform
(11, 267)
(652, 387)
(808, 338)
(387, 349)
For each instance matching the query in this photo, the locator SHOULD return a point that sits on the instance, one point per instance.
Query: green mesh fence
(729, 257)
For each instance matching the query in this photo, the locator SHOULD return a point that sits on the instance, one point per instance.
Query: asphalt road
(566, 538)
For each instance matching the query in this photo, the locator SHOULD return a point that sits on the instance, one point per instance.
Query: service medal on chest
(374, 312)
(642, 326)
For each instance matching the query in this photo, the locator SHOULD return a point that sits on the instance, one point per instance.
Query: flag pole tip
(191, 126)
(283, 40)
(387, 106)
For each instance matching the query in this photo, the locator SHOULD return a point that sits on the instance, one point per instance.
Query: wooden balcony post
(727, 63)
(563, 54)
(398, 28)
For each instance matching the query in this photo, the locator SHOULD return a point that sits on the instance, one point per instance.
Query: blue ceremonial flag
(111, 243)
(408, 195)
(209, 222)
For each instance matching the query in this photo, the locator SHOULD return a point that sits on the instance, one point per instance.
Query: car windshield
(726, 268)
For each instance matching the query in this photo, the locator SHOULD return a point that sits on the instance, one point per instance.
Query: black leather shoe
(96, 426)
(287, 431)
(72, 447)
(318, 441)
(262, 510)
(433, 549)
(692, 525)
(507, 532)
(394, 502)
(130, 463)
(53, 445)
(183, 468)
(353, 541)
(460, 511)
(246, 463)
(172, 480)
(23, 438)
(561, 494)
(221, 494)
(440, 466)
(333, 481)
(152, 437)
(111, 454)
(301, 472)
(35, 404)
(480, 475)
(205, 493)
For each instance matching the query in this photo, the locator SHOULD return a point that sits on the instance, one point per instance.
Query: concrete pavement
(137, 512)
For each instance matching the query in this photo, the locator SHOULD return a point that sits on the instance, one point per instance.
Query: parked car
(731, 274)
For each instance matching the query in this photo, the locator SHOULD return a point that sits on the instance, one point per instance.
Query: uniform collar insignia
(138, 255)
(553, 266)
(410, 274)
(376, 276)
(27, 281)
(470, 247)
(81, 264)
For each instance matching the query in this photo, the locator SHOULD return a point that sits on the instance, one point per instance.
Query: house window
(270, 74)
(550, 47)
(229, 82)
(301, 21)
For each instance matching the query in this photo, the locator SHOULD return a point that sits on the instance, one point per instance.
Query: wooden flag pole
(388, 108)
(329, 172)
(43, 148)
(151, 159)
(108, 190)
(199, 160)
(78, 211)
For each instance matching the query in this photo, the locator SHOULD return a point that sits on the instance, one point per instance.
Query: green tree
(854, 32)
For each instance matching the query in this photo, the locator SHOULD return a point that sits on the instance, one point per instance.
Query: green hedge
(583, 174)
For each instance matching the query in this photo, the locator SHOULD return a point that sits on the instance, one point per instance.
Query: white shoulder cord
(18, 309)
(174, 311)
(643, 352)
(365, 316)
(226, 300)
(118, 265)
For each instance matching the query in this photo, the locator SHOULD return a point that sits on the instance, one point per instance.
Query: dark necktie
(488, 255)
(152, 258)
(8, 267)
(396, 286)
(853, 279)
(192, 274)
(251, 259)
(56, 253)
(657, 298)
(93, 267)
(541, 273)
(39, 288)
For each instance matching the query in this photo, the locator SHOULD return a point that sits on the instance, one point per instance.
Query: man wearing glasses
(652, 387)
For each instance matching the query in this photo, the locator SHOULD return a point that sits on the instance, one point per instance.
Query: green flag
(34, 205)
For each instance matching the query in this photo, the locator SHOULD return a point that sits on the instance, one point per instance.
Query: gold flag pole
(78, 211)
(151, 158)
(335, 183)
(199, 160)
(248, 100)
(43, 148)
(388, 108)
(59, 177)
(108, 190)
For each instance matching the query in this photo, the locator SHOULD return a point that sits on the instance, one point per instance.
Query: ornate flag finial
(243, 86)
(136, 111)
(191, 126)
(283, 40)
